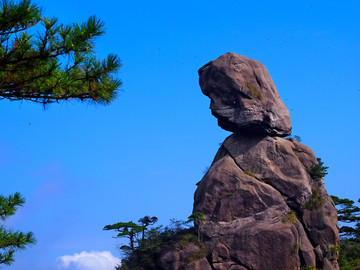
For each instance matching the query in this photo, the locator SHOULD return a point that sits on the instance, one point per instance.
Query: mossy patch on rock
(254, 92)
(290, 218)
(295, 248)
(315, 202)
(190, 238)
(249, 174)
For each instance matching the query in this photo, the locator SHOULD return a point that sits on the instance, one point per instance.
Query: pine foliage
(348, 214)
(12, 241)
(56, 63)
(146, 243)
(319, 170)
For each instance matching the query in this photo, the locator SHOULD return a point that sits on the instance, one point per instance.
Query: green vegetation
(249, 174)
(254, 93)
(295, 248)
(196, 218)
(334, 249)
(145, 250)
(290, 218)
(11, 241)
(56, 64)
(191, 238)
(132, 231)
(202, 253)
(318, 171)
(349, 258)
(349, 250)
(349, 214)
(185, 240)
(315, 202)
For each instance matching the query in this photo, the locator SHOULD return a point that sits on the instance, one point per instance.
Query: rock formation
(262, 208)
(244, 97)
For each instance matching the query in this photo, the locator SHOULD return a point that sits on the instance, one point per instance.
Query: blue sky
(81, 167)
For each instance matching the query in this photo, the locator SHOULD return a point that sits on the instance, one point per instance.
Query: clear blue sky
(81, 167)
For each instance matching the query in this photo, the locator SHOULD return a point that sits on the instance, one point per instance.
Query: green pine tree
(56, 64)
(12, 241)
(132, 231)
(349, 214)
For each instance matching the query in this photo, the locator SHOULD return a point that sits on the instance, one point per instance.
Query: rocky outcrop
(262, 208)
(255, 198)
(243, 96)
(187, 254)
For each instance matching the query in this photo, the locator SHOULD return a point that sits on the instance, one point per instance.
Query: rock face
(261, 207)
(184, 255)
(255, 201)
(243, 96)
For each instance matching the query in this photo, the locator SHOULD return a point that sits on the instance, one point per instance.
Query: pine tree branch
(16, 30)
(32, 69)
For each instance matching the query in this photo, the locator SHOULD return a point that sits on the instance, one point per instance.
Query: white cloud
(94, 260)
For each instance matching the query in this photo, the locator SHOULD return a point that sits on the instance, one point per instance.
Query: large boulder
(243, 96)
(255, 199)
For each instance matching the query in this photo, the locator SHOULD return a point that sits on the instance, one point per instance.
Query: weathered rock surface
(183, 257)
(262, 209)
(243, 96)
(253, 199)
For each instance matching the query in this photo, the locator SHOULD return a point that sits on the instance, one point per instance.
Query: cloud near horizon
(94, 260)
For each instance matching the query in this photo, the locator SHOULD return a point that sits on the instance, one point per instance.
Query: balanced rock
(243, 96)
(262, 207)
